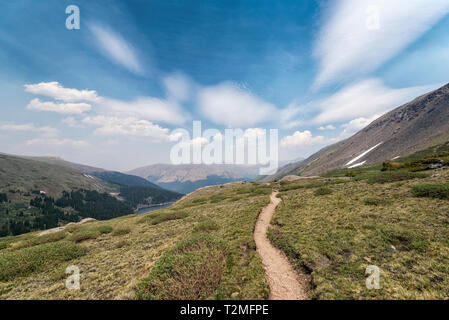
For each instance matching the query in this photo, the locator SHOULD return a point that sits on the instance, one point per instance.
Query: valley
(315, 230)
(331, 228)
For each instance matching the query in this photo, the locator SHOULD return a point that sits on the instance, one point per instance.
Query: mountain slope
(36, 195)
(17, 173)
(187, 178)
(106, 175)
(416, 125)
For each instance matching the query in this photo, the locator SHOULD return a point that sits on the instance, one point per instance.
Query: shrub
(206, 226)
(25, 261)
(162, 216)
(217, 198)
(376, 202)
(102, 229)
(193, 270)
(91, 233)
(301, 185)
(322, 191)
(431, 190)
(392, 176)
(51, 237)
(200, 200)
(121, 231)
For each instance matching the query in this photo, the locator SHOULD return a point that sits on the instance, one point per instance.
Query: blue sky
(111, 93)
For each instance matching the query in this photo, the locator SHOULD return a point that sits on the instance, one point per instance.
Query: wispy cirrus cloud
(116, 48)
(350, 44)
(148, 108)
(230, 105)
(365, 99)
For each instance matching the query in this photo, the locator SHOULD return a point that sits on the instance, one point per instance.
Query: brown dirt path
(285, 282)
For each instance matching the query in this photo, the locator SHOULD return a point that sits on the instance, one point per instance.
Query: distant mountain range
(105, 175)
(187, 178)
(45, 192)
(417, 125)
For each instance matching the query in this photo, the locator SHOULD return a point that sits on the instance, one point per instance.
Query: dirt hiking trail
(285, 282)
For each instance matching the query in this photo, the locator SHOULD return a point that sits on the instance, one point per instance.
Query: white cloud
(148, 108)
(56, 91)
(65, 108)
(57, 143)
(178, 87)
(328, 127)
(301, 139)
(350, 43)
(113, 126)
(232, 106)
(356, 125)
(116, 48)
(28, 127)
(364, 99)
(72, 122)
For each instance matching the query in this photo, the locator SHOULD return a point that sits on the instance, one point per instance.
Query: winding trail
(285, 282)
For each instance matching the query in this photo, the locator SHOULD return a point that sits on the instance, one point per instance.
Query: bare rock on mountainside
(414, 126)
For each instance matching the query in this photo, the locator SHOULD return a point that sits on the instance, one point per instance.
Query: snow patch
(357, 164)
(363, 154)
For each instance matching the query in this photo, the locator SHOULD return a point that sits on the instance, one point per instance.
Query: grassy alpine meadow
(396, 221)
(200, 248)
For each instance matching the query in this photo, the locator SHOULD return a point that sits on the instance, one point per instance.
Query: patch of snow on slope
(357, 164)
(363, 154)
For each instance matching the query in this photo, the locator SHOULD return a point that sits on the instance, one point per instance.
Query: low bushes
(206, 226)
(51, 237)
(90, 233)
(162, 216)
(121, 231)
(431, 190)
(192, 270)
(25, 261)
(376, 202)
(390, 176)
(322, 191)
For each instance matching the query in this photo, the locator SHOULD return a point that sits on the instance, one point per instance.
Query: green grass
(115, 262)
(25, 261)
(322, 191)
(334, 238)
(121, 231)
(206, 226)
(376, 202)
(431, 190)
(389, 176)
(90, 233)
(163, 216)
(52, 237)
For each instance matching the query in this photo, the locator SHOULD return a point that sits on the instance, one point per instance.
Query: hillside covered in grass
(200, 248)
(394, 216)
(38, 195)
